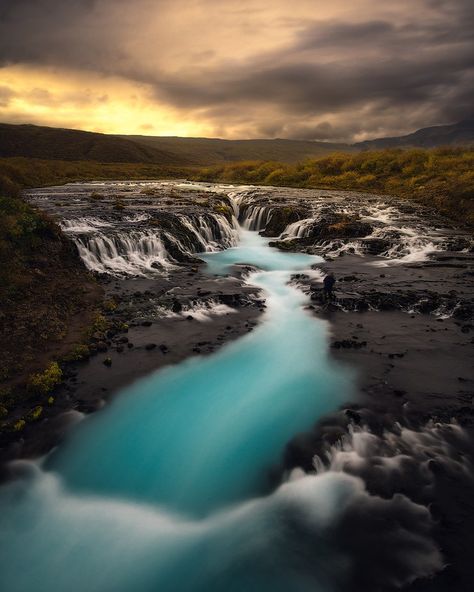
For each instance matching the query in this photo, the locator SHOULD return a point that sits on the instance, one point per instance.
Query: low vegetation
(19, 173)
(442, 178)
(46, 294)
(44, 382)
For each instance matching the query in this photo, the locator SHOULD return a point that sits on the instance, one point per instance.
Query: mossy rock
(281, 217)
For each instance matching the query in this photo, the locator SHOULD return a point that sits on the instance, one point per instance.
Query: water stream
(168, 488)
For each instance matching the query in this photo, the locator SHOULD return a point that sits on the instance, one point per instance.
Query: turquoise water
(167, 488)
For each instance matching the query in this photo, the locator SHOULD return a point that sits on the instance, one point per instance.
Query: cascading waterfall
(123, 253)
(213, 232)
(106, 249)
(255, 217)
(298, 229)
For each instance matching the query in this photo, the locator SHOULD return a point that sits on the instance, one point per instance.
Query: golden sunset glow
(236, 69)
(85, 100)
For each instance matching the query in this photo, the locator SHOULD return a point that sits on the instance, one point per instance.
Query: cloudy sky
(310, 69)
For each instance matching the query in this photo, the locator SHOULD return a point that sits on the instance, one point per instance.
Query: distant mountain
(461, 133)
(64, 144)
(204, 151)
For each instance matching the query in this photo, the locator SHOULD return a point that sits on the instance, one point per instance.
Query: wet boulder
(375, 246)
(339, 226)
(281, 217)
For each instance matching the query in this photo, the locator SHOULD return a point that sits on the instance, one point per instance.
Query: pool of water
(169, 489)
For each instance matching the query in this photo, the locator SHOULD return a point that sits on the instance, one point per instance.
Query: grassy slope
(442, 178)
(33, 141)
(460, 134)
(205, 151)
(61, 144)
(19, 173)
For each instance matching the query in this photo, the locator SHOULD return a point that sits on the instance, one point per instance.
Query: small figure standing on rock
(328, 285)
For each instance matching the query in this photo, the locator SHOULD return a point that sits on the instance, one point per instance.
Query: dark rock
(376, 246)
(107, 362)
(281, 217)
(150, 346)
(353, 416)
(348, 344)
(176, 307)
(339, 226)
(464, 312)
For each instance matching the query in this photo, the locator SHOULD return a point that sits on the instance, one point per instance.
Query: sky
(333, 70)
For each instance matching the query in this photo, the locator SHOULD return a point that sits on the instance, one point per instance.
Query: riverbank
(139, 340)
(48, 299)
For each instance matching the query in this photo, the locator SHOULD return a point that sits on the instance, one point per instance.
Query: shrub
(44, 382)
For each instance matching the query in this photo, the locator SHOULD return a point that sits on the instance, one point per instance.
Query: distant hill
(204, 151)
(50, 143)
(461, 133)
(64, 144)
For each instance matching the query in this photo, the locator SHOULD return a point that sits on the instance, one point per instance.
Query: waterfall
(212, 232)
(123, 253)
(146, 251)
(299, 229)
(255, 217)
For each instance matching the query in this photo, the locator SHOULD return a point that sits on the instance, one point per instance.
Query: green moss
(44, 382)
(100, 324)
(80, 352)
(18, 425)
(109, 305)
(35, 413)
(224, 210)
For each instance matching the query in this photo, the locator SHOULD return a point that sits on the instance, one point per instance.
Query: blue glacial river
(167, 489)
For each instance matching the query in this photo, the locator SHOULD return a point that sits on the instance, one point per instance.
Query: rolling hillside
(461, 133)
(204, 151)
(50, 143)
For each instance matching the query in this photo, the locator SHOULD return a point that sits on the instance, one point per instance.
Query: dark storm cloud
(317, 84)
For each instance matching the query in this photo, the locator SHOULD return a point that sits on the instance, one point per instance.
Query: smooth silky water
(167, 489)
